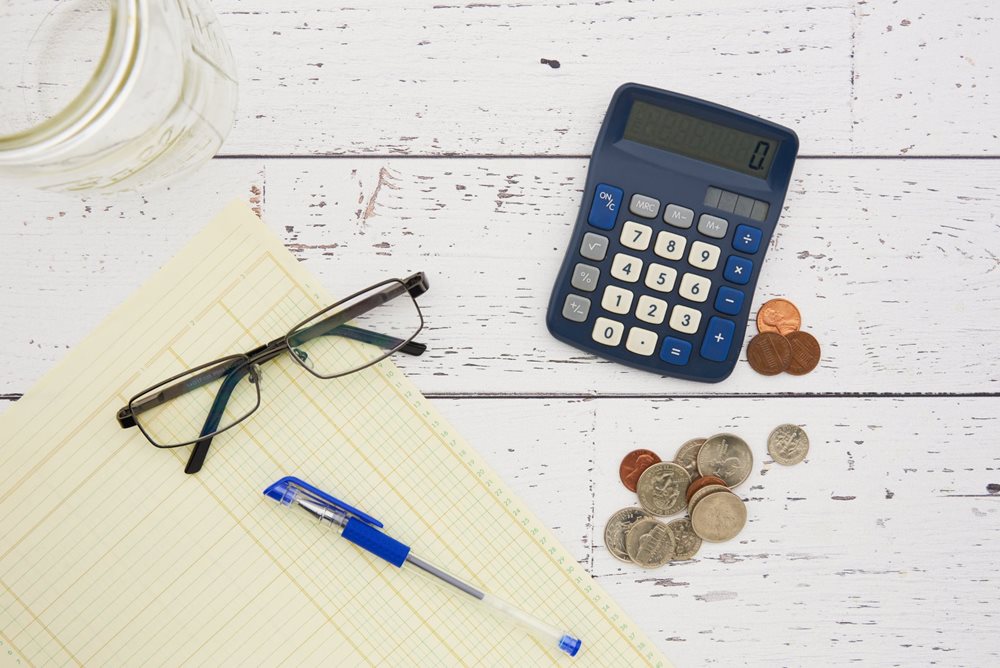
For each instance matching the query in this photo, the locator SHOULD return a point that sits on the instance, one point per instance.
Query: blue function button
(738, 270)
(728, 300)
(747, 239)
(604, 208)
(718, 339)
(675, 351)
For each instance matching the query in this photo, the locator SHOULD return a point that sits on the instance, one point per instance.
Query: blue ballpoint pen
(363, 530)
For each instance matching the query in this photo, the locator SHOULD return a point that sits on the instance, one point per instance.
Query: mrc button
(647, 207)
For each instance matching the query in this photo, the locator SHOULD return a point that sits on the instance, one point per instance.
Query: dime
(719, 517)
(618, 527)
(788, 444)
(633, 464)
(769, 353)
(687, 456)
(726, 456)
(697, 497)
(650, 543)
(702, 482)
(805, 353)
(779, 316)
(686, 541)
(661, 488)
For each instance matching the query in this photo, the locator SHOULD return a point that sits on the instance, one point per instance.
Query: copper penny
(633, 465)
(703, 481)
(769, 353)
(779, 316)
(805, 353)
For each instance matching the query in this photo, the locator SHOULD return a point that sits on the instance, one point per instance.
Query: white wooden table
(382, 138)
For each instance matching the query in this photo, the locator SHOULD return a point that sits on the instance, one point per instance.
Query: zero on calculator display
(697, 138)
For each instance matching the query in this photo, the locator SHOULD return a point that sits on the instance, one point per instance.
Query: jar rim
(109, 79)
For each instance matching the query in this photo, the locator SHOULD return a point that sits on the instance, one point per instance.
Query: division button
(644, 206)
(576, 308)
(746, 239)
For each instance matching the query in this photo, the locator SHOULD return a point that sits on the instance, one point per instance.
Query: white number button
(640, 341)
(669, 245)
(695, 287)
(704, 256)
(660, 277)
(685, 319)
(636, 236)
(626, 268)
(608, 332)
(651, 310)
(616, 300)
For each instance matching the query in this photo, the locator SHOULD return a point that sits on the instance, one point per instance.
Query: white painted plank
(893, 263)
(386, 78)
(879, 549)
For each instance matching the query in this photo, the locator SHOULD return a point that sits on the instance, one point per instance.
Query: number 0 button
(626, 268)
(608, 332)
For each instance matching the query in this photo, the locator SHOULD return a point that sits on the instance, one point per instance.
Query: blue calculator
(681, 199)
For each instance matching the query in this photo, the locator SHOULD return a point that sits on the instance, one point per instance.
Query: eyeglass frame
(415, 285)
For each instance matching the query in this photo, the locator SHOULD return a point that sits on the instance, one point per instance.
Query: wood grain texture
(535, 77)
(879, 549)
(893, 263)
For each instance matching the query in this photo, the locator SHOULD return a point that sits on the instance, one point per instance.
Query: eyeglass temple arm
(200, 450)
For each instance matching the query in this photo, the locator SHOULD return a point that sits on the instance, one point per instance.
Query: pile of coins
(780, 346)
(699, 479)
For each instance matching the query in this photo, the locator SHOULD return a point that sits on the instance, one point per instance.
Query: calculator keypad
(643, 262)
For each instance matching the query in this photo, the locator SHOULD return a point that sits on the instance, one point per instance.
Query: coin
(661, 488)
(805, 353)
(779, 316)
(633, 464)
(686, 541)
(697, 497)
(687, 456)
(702, 482)
(650, 543)
(788, 444)
(719, 517)
(769, 353)
(726, 456)
(617, 529)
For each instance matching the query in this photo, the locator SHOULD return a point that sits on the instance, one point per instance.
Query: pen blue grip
(369, 538)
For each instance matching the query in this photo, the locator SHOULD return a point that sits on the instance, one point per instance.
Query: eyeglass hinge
(417, 284)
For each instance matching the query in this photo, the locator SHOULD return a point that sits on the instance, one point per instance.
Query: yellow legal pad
(111, 555)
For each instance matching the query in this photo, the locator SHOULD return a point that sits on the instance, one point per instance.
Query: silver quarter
(617, 529)
(650, 543)
(687, 456)
(662, 488)
(686, 541)
(788, 444)
(726, 456)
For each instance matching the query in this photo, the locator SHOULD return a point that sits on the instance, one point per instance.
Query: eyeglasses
(193, 407)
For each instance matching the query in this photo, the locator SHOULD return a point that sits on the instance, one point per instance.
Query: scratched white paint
(893, 263)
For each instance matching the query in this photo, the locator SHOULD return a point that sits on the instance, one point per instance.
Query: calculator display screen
(700, 139)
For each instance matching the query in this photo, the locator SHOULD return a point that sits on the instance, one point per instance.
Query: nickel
(726, 456)
(788, 444)
(769, 353)
(633, 464)
(661, 488)
(650, 543)
(686, 541)
(779, 316)
(617, 529)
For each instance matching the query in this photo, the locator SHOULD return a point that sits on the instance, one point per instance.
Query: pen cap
(291, 489)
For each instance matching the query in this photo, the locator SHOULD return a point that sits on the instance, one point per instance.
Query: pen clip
(285, 491)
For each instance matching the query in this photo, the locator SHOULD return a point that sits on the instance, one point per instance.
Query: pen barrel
(552, 635)
(371, 539)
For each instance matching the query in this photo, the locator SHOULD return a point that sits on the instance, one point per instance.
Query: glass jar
(111, 94)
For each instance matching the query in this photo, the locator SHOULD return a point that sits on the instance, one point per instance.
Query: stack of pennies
(699, 480)
(780, 345)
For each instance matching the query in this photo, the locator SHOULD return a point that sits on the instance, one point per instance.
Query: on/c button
(604, 208)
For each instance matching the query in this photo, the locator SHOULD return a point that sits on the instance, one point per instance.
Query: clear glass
(358, 331)
(111, 94)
